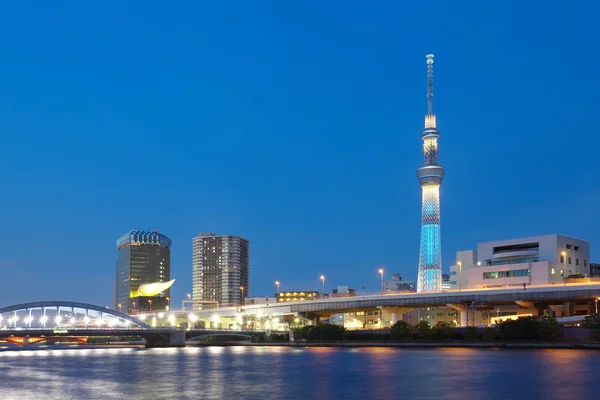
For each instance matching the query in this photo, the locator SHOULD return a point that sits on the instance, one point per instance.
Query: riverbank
(476, 345)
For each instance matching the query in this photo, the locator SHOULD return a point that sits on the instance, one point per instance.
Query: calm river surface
(234, 373)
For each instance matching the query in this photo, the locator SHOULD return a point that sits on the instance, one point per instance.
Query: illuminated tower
(430, 177)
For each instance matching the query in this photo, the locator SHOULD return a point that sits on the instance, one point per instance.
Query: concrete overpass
(536, 298)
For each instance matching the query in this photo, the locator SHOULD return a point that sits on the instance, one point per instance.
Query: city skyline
(300, 140)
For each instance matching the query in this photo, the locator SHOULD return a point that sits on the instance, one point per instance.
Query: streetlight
(596, 305)
(193, 320)
(119, 308)
(381, 273)
(322, 277)
(277, 283)
(242, 289)
(150, 302)
(459, 263)
(168, 303)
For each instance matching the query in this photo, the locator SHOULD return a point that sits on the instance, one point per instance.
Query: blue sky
(295, 125)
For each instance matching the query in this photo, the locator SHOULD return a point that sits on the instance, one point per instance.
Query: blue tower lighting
(430, 177)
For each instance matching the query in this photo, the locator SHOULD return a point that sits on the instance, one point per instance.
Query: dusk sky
(293, 124)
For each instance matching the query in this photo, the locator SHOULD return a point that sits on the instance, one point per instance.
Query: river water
(233, 373)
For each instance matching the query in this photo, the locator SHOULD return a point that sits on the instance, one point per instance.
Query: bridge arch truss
(65, 315)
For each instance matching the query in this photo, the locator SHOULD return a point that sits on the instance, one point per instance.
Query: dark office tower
(143, 272)
(221, 268)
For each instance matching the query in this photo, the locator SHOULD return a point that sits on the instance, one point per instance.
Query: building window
(452, 272)
(576, 248)
(569, 247)
(453, 282)
(506, 274)
(577, 261)
(562, 258)
(552, 271)
(585, 263)
(569, 260)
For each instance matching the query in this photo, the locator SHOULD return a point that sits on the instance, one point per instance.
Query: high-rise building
(221, 268)
(430, 177)
(143, 274)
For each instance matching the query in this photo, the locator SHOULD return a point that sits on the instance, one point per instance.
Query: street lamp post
(381, 273)
(277, 283)
(322, 277)
(242, 289)
(150, 302)
(119, 308)
(189, 299)
(168, 303)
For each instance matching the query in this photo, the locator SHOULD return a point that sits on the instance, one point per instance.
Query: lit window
(552, 271)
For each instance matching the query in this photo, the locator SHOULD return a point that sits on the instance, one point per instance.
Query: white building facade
(539, 260)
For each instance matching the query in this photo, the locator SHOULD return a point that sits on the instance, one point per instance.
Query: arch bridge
(64, 321)
(65, 315)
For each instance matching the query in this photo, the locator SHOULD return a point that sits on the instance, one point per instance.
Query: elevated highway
(529, 297)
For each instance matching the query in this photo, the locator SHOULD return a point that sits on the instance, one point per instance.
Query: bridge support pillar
(462, 309)
(464, 318)
(177, 338)
(25, 341)
(391, 315)
(568, 309)
(174, 338)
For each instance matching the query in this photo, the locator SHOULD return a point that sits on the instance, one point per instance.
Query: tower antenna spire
(429, 83)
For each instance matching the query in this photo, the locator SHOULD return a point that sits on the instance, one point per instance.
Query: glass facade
(143, 257)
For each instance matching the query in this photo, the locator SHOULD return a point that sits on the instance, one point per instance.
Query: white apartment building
(539, 260)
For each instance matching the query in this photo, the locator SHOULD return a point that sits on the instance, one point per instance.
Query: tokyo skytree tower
(430, 177)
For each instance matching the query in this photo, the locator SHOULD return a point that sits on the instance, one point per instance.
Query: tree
(423, 330)
(592, 322)
(548, 328)
(529, 328)
(322, 332)
(489, 334)
(443, 330)
(471, 333)
(402, 331)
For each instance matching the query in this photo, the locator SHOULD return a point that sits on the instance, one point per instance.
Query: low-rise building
(249, 301)
(445, 282)
(396, 284)
(343, 291)
(296, 296)
(539, 260)
(369, 319)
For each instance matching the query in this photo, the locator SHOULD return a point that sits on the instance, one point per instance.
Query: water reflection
(297, 373)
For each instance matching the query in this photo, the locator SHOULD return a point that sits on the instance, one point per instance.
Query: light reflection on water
(298, 373)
